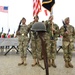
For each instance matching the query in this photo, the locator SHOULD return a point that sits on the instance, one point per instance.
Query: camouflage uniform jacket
(22, 33)
(70, 35)
(49, 29)
(31, 33)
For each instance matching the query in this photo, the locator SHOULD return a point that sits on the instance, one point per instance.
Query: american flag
(4, 9)
(36, 7)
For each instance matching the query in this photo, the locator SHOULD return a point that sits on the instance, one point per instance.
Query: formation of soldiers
(50, 37)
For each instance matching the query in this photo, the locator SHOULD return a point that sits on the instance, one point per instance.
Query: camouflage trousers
(51, 50)
(36, 48)
(67, 49)
(23, 48)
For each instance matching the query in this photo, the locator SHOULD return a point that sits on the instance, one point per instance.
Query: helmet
(38, 26)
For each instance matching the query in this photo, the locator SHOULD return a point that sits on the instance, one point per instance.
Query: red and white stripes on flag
(46, 12)
(36, 7)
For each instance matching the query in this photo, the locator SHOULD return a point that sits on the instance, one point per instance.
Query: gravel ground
(9, 65)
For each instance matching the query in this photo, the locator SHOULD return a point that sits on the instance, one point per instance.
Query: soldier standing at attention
(68, 39)
(23, 41)
(53, 31)
(35, 43)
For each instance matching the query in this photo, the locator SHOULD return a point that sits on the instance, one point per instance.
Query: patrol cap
(67, 18)
(23, 18)
(36, 16)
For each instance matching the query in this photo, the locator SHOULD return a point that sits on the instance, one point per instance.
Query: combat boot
(35, 63)
(25, 62)
(66, 64)
(19, 64)
(49, 63)
(70, 64)
(53, 63)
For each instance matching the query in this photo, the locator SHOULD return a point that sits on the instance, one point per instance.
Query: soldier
(53, 31)
(35, 43)
(68, 45)
(23, 41)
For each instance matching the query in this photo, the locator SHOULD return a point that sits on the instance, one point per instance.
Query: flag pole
(8, 19)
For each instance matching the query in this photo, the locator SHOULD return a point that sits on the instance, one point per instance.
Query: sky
(24, 8)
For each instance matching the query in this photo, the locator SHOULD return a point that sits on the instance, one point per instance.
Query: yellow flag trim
(46, 2)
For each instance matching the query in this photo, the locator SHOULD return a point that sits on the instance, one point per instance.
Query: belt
(22, 34)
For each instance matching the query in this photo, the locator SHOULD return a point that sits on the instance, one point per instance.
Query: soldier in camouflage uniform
(23, 41)
(53, 31)
(68, 45)
(35, 43)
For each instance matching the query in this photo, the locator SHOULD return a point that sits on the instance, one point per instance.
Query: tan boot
(49, 63)
(70, 64)
(25, 62)
(19, 64)
(66, 64)
(35, 63)
(53, 63)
